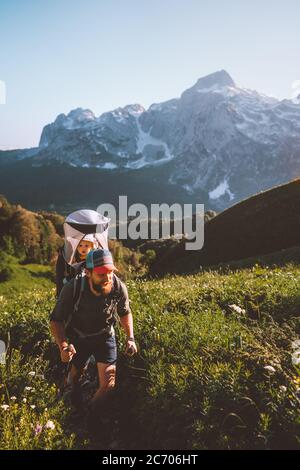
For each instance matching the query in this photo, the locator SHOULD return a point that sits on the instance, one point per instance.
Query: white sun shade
(81, 223)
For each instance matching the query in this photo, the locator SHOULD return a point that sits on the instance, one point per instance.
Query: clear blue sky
(57, 55)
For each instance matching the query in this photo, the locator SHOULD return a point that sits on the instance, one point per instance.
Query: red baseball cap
(104, 269)
(100, 261)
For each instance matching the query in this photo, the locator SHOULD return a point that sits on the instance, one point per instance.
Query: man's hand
(67, 352)
(131, 348)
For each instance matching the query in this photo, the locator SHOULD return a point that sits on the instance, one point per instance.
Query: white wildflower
(32, 407)
(270, 369)
(237, 309)
(5, 407)
(28, 389)
(32, 373)
(296, 358)
(24, 400)
(13, 398)
(49, 425)
(296, 344)
(283, 388)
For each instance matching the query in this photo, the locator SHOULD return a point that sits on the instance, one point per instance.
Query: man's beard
(102, 289)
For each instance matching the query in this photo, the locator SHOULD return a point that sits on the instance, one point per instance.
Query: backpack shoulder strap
(116, 297)
(78, 288)
(117, 282)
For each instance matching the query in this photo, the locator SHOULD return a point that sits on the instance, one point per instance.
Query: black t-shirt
(94, 312)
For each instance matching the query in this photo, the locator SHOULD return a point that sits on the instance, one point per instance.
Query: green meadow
(216, 368)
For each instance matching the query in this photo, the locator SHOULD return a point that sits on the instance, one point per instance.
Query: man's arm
(58, 317)
(67, 351)
(57, 329)
(126, 320)
(127, 323)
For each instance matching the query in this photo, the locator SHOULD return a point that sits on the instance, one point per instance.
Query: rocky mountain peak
(217, 79)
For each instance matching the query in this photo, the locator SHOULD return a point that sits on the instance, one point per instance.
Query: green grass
(199, 380)
(26, 277)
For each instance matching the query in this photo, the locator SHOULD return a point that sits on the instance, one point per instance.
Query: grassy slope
(26, 277)
(199, 380)
(261, 224)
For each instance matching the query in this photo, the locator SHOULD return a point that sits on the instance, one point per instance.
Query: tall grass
(214, 368)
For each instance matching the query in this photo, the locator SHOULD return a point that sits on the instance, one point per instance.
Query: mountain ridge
(215, 139)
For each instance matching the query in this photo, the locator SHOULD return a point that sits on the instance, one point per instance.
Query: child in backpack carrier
(64, 271)
(84, 230)
(84, 247)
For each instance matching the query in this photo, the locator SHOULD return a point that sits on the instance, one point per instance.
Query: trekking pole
(67, 368)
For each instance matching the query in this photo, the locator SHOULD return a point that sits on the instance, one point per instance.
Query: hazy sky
(57, 55)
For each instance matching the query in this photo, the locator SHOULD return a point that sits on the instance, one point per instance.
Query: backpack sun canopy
(81, 223)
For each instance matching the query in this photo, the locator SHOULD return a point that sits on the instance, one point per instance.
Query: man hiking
(83, 320)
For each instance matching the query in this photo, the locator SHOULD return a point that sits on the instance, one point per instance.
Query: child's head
(85, 246)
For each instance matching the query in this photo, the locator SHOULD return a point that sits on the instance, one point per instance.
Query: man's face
(102, 282)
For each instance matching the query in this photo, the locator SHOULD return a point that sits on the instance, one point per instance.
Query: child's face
(84, 247)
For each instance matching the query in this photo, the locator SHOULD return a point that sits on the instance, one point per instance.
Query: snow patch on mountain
(221, 190)
(144, 140)
(108, 166)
